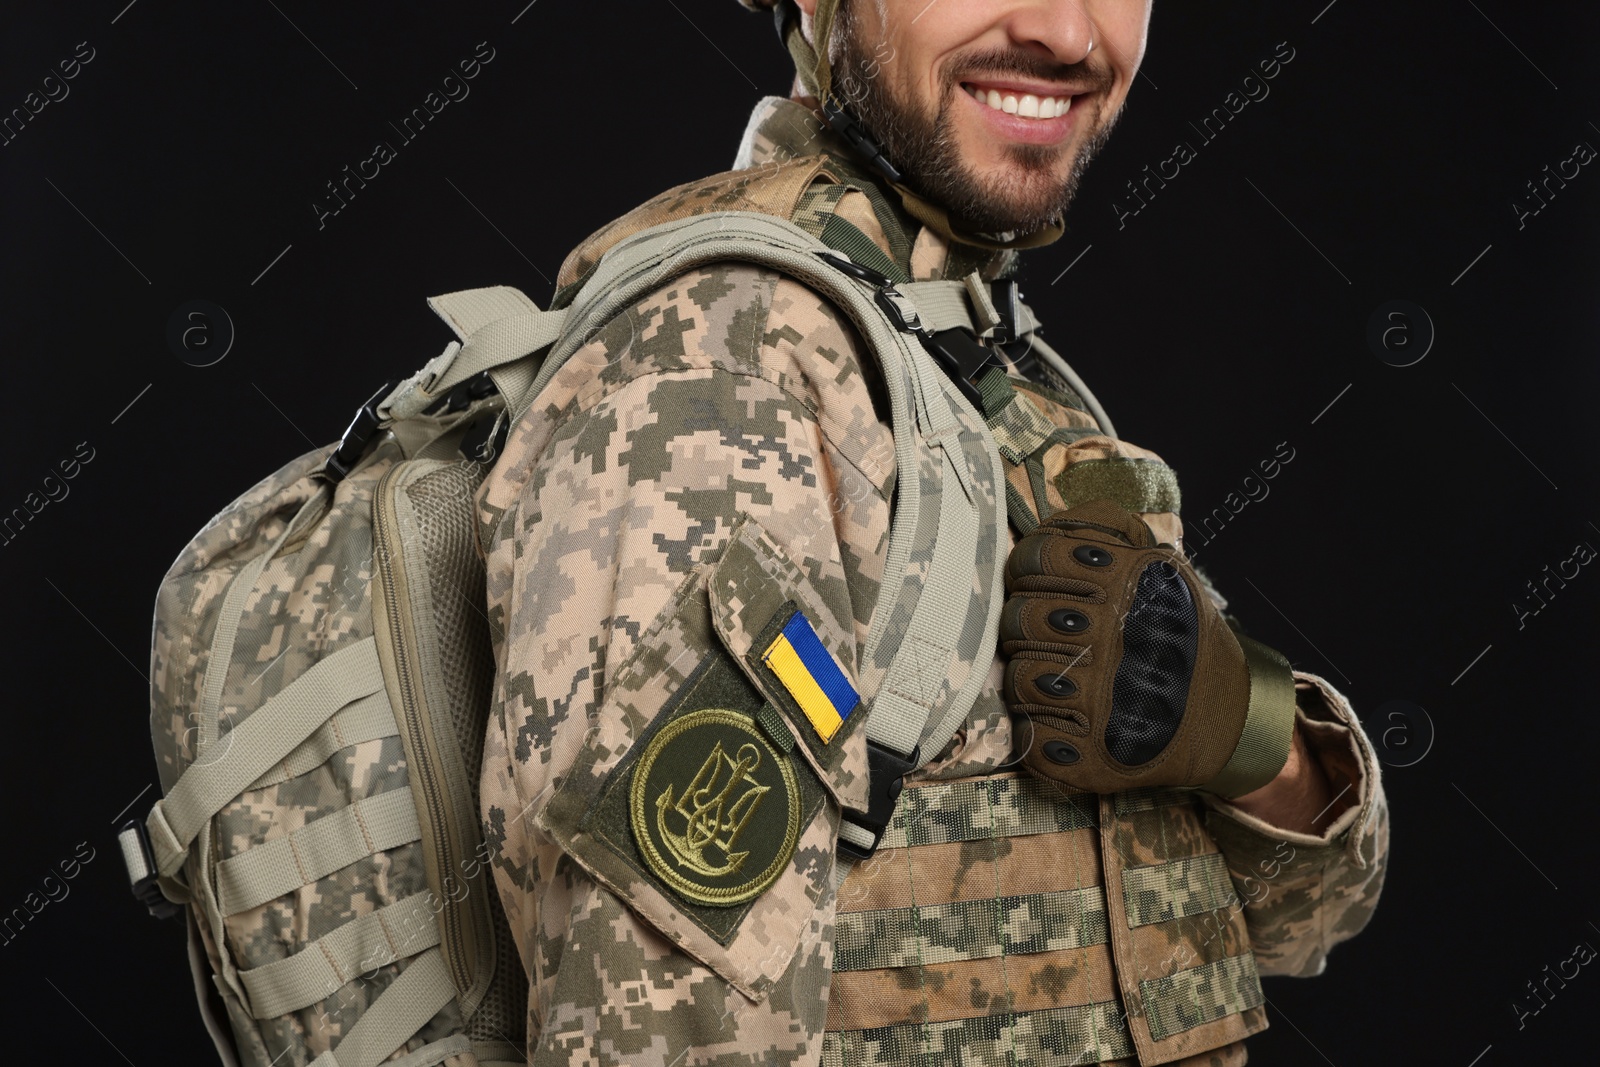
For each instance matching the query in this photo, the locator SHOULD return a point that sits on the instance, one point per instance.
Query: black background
(1221, 320)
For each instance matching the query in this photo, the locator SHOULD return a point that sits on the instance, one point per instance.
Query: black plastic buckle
(353, 445)
(462, 395)
(849, 127)
(961, 356)
(856, 270)
(958, 353)
(887, 771)
(144, 881)
(1004, 295)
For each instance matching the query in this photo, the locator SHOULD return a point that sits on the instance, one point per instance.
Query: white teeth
(1028, 106)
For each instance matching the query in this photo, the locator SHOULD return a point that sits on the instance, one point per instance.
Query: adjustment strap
(400, 1011)
(500, 327)
(1268, 726)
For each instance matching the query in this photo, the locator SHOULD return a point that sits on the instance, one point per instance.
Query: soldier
(687, 537)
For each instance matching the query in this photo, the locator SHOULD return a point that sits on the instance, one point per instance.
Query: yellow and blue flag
(812, 676)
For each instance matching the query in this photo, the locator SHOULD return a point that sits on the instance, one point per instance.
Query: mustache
(1085, 74)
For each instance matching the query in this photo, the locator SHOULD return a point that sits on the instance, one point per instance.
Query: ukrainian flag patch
(797, 658)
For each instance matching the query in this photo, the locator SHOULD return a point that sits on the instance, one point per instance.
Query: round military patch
(714, 807)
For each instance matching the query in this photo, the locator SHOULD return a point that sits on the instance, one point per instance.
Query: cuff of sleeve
(1337, 742)
(1268, 727)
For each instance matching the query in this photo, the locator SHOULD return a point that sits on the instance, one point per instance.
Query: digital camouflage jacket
(686, 537)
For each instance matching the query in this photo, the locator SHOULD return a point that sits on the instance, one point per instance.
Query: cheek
(1123, 32)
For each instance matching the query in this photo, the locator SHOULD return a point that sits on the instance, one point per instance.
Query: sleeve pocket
(699, 798)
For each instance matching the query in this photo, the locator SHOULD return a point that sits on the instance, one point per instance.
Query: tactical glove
(1126, 668)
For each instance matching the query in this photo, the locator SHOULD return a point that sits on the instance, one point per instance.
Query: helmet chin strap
(817, 78)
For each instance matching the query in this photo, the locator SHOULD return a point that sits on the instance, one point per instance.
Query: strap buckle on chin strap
(887, 777)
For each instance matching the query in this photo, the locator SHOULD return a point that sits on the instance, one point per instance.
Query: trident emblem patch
(708, 817)
(723, 831)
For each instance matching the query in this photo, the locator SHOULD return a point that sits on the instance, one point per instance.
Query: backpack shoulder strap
(932, 636)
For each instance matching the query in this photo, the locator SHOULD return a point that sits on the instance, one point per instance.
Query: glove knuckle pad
(1150, 690)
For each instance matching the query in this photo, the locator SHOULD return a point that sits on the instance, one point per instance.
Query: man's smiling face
(992, 108)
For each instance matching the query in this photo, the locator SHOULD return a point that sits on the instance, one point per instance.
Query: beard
(1028, 196)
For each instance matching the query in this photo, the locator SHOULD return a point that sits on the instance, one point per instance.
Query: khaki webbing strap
(942, 305)
(466, 311)
(902, 707)
(437, 1052)
(1268, 726)
(985, 316)
(395, 931)
(316, 849)
(220, 657)
(399, 1012)
(369, 719)
(265, 737)
(499, 327)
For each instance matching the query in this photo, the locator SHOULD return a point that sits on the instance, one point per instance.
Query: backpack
(322, 667)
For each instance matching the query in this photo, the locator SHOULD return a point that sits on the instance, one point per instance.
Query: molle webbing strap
(316, 849)
(402, 1009)
(1150, 893)
(264, 738)
(1224, 986)
(369, 719)
(316, 972)
(1268, 726)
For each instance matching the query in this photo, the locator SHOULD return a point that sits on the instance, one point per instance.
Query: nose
(1061, 29)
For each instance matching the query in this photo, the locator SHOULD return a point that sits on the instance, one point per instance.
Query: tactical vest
(996, 920)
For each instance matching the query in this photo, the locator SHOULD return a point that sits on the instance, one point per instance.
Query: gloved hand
(1126, 668)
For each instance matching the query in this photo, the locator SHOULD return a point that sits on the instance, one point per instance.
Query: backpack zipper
(389, 564)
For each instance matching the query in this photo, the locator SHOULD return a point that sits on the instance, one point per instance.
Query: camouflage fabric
(299, 614)
(729, 431)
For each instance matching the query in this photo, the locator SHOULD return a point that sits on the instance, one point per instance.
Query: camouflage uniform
(719, 454)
